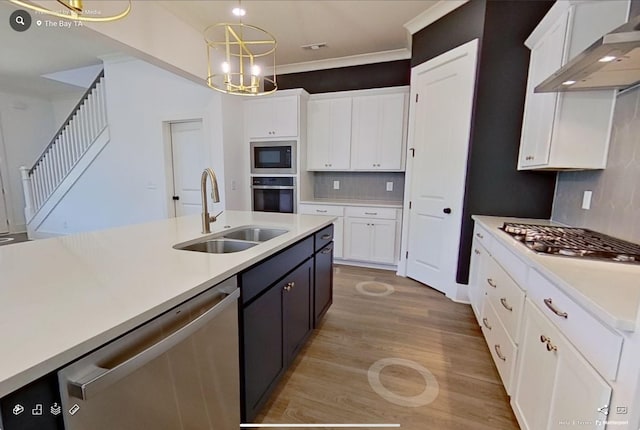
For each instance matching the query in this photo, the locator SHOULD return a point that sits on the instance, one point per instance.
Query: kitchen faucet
(215, 195)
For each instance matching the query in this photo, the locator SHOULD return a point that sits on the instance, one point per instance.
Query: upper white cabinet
(329, 134)
(378, 132)
(567, 130)
(360, 130)
(272, 116)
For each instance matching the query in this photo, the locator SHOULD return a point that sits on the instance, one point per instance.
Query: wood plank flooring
(329, 382)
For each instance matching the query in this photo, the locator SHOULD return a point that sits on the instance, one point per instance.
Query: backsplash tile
(359, 186)
(615, 205)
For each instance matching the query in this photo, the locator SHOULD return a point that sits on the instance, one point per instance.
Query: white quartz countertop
(338, 202)
(608, 290)
(63, 297)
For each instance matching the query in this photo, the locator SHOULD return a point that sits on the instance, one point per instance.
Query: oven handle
(99, 378)
(272, 187)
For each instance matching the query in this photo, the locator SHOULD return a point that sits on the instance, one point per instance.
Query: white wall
(129, 182)
(27, 126)
(236, 154)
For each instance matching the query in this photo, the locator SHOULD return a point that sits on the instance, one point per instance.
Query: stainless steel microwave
(273, 157)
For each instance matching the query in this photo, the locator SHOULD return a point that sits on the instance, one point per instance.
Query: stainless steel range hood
(612, 62)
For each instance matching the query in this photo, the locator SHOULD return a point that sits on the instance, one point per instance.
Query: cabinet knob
(289, 286)
(476, 252)
(446, 210)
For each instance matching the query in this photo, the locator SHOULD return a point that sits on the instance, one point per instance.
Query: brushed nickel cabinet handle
(555, 310)
(491, 282)
(477, 252)
(504, 303)
(326, 237)
(480, 236)
(327, 250)
(321, 211)
(371, 213)
(485, 322)
(499, 353)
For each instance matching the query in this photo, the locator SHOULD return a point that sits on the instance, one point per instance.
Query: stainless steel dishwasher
(178, 371)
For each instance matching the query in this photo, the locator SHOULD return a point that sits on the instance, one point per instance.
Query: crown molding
(433, 14)
(353, 60)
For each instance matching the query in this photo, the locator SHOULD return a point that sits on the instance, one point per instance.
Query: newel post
(28, 193)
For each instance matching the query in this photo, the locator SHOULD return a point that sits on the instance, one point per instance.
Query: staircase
(76, 144)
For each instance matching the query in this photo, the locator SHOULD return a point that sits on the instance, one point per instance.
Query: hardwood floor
(329, 382)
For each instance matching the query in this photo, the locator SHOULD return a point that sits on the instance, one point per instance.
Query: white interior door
(189, 160)
(439, 133)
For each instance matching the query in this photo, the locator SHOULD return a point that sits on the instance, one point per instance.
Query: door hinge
(413, 152)
(409, 205)
(417, 97)
(176, 197)
(406, 255)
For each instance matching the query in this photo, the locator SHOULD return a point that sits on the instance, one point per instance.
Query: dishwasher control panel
(36, 406)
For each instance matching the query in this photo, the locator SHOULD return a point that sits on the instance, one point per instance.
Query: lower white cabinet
(556, 387)
(338, 225)
(477, 290)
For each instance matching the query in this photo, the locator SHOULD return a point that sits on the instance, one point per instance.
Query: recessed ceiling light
(238, 11)
(568, 82)
(314, 46)
(607, 58)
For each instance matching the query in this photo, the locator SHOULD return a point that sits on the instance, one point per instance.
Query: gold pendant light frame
(75, 8)
(246, 50)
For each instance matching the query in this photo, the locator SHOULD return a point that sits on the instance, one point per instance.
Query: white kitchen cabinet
(567, 130)
(556, 386)
(371, 235)
(377, 138)
(329, 134)
(477, 290)
(271, 117)
(338, 224)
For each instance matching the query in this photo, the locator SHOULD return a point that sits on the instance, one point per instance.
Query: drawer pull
(321, 211)
(499, 353)
(485, 322)
(477, 252)
(547, 340)
(505, 304)
(480, 236)
(491, 282)
(326, 237)
(555, 310)
(371, 213)
(327, 250)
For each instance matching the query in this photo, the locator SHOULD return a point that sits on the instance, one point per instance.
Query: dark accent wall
(493, 184)
(366, 76)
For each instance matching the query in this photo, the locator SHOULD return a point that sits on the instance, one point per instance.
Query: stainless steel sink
(219, 246)
(235, 240)
(255, 234)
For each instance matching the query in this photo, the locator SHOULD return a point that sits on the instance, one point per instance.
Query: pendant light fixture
(237, 55)
(75, 9)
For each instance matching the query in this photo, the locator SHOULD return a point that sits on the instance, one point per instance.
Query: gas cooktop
(573, 242)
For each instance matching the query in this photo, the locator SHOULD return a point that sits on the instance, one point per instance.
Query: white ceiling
(347, 27)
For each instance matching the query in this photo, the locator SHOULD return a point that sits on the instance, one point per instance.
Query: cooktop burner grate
(574, 242)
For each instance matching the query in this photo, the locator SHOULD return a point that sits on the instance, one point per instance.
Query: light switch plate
(389, 186)
(336, 185)
(586, 200)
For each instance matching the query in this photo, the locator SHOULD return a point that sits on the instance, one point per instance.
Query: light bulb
(238, 11)
(255, 70)
(607, 59)
(225, 67)
(568, 82)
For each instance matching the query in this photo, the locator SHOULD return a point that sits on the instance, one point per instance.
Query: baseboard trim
(365, 264)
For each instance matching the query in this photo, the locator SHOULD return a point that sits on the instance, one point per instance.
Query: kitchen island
(61, 298)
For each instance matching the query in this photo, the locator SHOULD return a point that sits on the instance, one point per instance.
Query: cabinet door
(383, 241)
(285, 116)
(323, 285)
(329, 134)
(357, 239)
(262, 353)
(296, 291)
(540, 109)
(477, 290)
(338, 236)
(259, 118)
(391, 128)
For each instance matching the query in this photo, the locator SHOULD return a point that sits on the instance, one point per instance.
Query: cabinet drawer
(324, 237)
(370, 212)
(503, 350)
(506, 297)
(321, 210)
(515, 267)
(598, 343)
(260, 277)
(482, 235)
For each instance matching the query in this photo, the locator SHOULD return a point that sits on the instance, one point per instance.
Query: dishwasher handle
(97, 378)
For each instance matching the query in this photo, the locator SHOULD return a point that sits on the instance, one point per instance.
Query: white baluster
(75, 150)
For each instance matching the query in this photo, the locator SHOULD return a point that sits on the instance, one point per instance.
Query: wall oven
(273, 157)
(273, 194)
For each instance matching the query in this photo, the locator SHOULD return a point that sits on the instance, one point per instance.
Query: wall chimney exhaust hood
(612, 62)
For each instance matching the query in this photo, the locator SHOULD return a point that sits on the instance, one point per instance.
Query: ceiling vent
(314, 46)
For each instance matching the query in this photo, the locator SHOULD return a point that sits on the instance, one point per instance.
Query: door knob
(446, 210)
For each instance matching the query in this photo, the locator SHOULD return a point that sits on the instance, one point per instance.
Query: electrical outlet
(389, 186)
(336, 185)
(586, 200)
